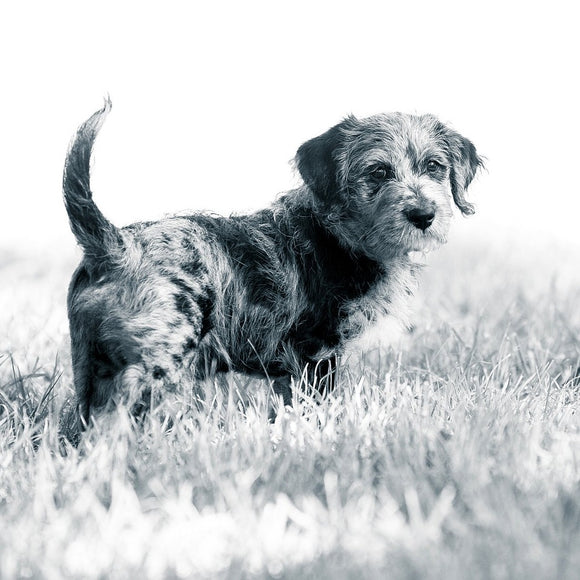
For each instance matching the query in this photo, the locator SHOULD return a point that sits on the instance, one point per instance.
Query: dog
(272, 293)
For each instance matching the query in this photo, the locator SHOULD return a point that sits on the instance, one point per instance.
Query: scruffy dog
(155, 304)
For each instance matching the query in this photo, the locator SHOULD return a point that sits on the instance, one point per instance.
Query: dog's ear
(317, 161)
(464, 165)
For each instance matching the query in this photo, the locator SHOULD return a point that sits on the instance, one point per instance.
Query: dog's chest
(383, 312)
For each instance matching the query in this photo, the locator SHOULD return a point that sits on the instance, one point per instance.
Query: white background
(212, 99)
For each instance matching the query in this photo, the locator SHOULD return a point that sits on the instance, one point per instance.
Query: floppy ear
(464, 165)
(317, 163)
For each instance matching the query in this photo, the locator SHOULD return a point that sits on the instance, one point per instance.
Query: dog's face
(387, 183)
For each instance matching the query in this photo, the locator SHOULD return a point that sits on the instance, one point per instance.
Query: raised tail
(98, 237)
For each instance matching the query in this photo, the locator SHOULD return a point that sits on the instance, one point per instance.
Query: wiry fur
(157, 304)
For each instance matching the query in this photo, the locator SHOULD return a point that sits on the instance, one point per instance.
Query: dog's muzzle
(421, 218)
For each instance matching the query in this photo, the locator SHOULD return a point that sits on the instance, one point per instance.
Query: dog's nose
(421, 218)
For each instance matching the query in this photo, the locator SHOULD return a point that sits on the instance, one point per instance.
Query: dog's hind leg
(282, 387)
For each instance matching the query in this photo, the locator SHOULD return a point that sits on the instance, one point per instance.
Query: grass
(455, 454)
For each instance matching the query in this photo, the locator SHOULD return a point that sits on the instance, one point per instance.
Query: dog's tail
(94, 232)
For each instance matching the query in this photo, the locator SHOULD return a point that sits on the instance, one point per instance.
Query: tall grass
(452, 454)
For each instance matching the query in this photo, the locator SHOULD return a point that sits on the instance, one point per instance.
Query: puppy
(166, 303)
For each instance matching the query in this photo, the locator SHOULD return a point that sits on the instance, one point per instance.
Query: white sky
(211, 100)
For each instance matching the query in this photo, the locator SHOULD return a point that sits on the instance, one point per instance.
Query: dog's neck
(332, 269)
(350, 272)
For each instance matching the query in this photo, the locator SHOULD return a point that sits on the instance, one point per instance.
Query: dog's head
(386, 183)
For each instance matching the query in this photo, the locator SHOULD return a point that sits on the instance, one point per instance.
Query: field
(454, 453)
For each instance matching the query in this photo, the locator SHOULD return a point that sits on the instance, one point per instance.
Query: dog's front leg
(283, 388)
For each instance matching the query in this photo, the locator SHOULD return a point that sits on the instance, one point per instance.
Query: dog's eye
(381, 172)
(434, 166)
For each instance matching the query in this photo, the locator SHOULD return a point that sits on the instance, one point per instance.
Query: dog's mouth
(424, 231)
(402, 235)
